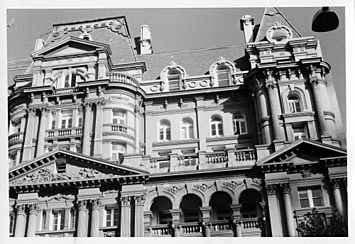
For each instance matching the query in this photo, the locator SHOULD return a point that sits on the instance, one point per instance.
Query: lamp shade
(325, 20)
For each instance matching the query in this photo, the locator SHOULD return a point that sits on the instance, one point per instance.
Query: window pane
(243, 128)
(70, 121)
(63, 123)
(304, 203)
(220, 129)
(237, 129)
(168, 133)
(316, 192)
(191, 132)
(53, 124)
(317, 202)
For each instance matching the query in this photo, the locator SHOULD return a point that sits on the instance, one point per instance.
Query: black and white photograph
(176, 121)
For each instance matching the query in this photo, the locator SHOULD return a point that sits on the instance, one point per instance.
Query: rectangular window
(112, 215)
(299, 131)
(53, 124)
(66, 121)
(72, 219)
(223, 78)
(117, 149)
(58, 219)
(119, 117)
(310, 197)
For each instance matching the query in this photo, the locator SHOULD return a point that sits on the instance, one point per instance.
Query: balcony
(160, 231)
(52, 233)
(201, 160)
(251, 227)
(15, 138)
(122, 78)
(221, 228)
(65, 132)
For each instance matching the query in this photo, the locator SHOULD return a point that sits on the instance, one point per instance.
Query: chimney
(247, 25)
(145, 40)
(39, 44)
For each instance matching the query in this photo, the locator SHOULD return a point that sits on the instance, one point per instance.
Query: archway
(220, 203)
(160, 209)
(190, 207)
(250, 200)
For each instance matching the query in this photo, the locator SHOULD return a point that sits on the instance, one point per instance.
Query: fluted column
(20, 227)
(32, 218)
(125, 216)
(139, 215)
(98, 128)
(206, 220)
(42, 131)
(82, 218)
(27, 147)
(95, 217)
(274, 210)
(237, 220)
(337, 195)
(288, 209)
(87, 129)
(319, 108)
(272, 89)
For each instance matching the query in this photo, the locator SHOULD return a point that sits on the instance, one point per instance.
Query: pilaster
(98, 129)
(82, 218)
(27, 147)
(41, 131)
(274, 210)
(125, 216)
(87, 129)
(32, 218)
(95, 217)
(285, 188)
(20, 227)
(139, 215)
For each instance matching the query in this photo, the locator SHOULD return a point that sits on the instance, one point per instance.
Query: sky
(182, 29)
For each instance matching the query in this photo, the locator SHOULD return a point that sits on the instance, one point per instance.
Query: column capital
(335, 183)
(32, 208)
(100, 104)
(31, 111)
(21, 209)
(95, 204)
(125, 201)
(82, 205)
(139, 200)
(271, 189)
(87, 105)
(285, 188)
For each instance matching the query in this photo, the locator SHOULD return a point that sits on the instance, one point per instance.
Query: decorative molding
(139, 200)
(125, 201)
(173, 189)
(233, 184)
(285, 187)
(271, 189)
(203, 187)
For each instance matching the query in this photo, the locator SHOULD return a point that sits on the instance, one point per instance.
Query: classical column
(176, 214)
(337, 195)
(264, 121)
(87, 129)
(32, 218)
(98, 128)
(95, 217)
(274, 211)
(27, 147)
(139, 216)
(272, 89)
(237, 220)
(82, 218)
(288, 208)
(66, 219)
(42, 131)
(264, 218)
(125, 216)
(20, 221)
(319, 108)
(206, 220)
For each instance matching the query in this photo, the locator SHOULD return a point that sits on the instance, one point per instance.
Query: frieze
(233, 183)
(257, 181)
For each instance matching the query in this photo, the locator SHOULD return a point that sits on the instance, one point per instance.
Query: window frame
(58, 214)
(223, 69)
(120, 120)
(112, 212)
(294, 105)
(238, 120)
(116, 152)
(216, 126)
(308, 191)
(187, 128)
(164, 130)
(174, 76)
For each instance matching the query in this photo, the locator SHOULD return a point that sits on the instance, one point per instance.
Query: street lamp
(325, 20)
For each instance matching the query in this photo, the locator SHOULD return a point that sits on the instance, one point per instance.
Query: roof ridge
(288, 22)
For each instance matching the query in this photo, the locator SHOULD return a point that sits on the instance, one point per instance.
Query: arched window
(240, 125)
(164, 131)
(174, 78)
(223, 75)
(187, 129)
(216, 126)
(294, 103)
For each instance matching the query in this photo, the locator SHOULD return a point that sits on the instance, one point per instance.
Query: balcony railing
(245, 155)
(221, 225)
(66, 90)
(161, 230)
(187, 160)
(251, 223)
(122, 78)
(216, 158)
(119, 128)
(64, 132)
(191, 229)
(15, 138)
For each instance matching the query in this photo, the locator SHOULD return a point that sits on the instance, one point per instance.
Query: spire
(273, 17)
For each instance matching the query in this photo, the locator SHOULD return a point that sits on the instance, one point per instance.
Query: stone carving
(139, 200)
(257, 181)
(45, 176)
(125, 200)
(173, 189)
(271, 189)
(95, 204)
(285, 187)
(233, 183)
(278, 33)
(203, 187)
(82, 205)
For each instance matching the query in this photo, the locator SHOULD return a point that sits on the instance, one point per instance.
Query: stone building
(108, 139)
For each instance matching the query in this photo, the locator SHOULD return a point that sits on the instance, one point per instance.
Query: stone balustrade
(161, 230)
(15, 138)
(75, 131)
(191, 229)
(216, 158)
(221, 225)
(122, 78)
(66, 90)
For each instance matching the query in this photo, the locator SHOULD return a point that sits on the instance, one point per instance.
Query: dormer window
(67, 77)
(223, 75)
(174, 78)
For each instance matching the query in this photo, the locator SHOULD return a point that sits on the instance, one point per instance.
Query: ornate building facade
(110, 140)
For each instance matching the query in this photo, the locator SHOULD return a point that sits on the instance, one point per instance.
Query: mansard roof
(195, 62)
(304, 151)
(85, 169)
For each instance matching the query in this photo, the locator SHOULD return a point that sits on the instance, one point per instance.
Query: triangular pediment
(303, 152)
(271, 17)
(70, 46)
(66, 166)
